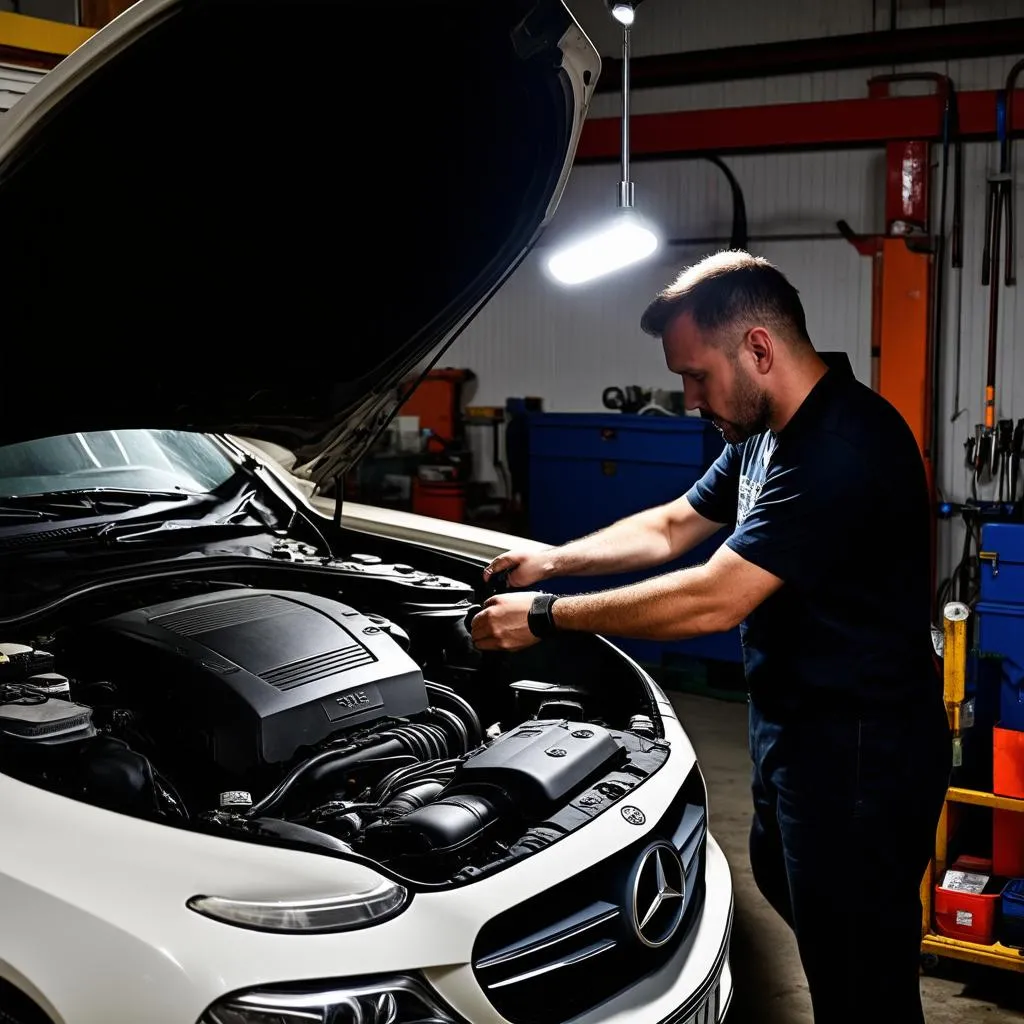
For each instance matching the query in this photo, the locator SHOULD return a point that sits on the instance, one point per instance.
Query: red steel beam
(825, 125)
(927, 44)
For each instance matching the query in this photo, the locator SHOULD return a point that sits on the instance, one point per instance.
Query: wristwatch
(540, 619)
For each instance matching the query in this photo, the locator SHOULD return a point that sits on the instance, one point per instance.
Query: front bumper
(696, 983)
(125, 905)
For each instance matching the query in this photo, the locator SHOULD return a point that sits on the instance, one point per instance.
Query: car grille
(571, 947)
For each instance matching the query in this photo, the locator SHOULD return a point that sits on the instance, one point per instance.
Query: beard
(752, 411)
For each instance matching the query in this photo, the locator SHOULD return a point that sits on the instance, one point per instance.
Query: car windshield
(144, 460)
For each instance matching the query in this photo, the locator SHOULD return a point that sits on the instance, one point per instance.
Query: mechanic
(827, 572)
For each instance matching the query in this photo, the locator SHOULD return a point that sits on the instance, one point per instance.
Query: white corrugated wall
(566, 346)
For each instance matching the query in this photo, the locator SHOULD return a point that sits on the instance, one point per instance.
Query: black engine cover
(256, 673)
(540, 764)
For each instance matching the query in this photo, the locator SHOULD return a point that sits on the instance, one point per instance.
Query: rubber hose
(461, 707)
(418, 795)
(336, 758)
(458, 734)
(739, 236)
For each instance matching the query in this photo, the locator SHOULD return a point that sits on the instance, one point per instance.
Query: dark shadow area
(1003, 989)
(757, 966)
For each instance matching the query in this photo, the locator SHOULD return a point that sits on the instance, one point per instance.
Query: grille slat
(690, 825)
(223, 614)
(319, 667)
(587, 953)
(600, 913)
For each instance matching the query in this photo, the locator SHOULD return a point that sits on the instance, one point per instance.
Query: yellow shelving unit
(996, 955)
(19, 32)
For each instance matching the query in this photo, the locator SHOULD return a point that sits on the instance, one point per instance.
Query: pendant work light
(626, 239)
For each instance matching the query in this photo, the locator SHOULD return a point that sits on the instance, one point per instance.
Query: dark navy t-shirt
(835, 505)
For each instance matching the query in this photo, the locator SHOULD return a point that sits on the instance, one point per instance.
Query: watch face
(539, 619)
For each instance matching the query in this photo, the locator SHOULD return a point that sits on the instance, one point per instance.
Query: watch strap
(540, 619)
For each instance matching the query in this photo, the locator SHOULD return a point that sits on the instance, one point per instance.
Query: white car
(252, 769)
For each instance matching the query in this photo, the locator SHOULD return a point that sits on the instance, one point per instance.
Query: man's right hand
(525, 567)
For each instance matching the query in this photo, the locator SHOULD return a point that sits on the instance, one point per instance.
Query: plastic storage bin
(966, 916)
(1008, 762)
(1011, 922)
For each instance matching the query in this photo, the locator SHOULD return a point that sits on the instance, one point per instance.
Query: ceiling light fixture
(623, 13)
(627, 239)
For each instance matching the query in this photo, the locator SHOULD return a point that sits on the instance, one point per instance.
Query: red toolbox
(964, 915)
(1008, 843)
(1008, 762)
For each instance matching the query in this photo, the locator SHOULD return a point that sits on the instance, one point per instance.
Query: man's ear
(761, 348)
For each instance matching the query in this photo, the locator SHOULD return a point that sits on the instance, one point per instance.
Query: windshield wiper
(24, 515)
(100, 501)
(172, 530)
(230, 520)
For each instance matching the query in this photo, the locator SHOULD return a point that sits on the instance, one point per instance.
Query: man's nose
(692, 399)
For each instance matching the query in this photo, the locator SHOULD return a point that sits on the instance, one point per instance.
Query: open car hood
(258, 217)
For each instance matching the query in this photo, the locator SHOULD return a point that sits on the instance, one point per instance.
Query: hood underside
(260, 217)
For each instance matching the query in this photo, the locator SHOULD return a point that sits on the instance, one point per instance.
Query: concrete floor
(770, 986)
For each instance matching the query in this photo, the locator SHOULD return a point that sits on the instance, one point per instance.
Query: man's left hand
(501, 624)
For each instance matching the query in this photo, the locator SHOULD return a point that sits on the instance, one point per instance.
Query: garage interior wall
(566, 345)
(51, 10)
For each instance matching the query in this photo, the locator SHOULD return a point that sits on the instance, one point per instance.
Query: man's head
(734, 329)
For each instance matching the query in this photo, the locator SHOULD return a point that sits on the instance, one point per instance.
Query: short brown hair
(726, 288)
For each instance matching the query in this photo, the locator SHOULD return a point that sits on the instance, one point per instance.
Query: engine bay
(335, 705)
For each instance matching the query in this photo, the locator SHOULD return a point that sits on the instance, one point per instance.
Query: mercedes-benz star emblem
(656, 895)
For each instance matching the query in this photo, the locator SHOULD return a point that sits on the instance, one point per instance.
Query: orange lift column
(904, 356)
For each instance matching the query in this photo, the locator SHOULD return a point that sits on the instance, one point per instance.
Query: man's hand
(500, 625)
(527, 567)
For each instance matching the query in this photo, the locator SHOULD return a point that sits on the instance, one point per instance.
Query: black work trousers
(845, 812)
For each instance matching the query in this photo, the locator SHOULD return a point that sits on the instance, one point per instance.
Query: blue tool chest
(1002, 563)
(1001, 613)
(588, 470)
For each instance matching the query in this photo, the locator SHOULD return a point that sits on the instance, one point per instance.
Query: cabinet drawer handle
(609, 468)
(608, 433)
(990, 556)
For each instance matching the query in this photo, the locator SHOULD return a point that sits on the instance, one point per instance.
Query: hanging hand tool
(1011, 88)
(999, 206)
(1016, 453)
(979, 454)
(1001, 454)
(957, 250)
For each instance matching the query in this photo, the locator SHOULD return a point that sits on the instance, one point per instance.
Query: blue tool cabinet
(587, 470)
(1000, 612)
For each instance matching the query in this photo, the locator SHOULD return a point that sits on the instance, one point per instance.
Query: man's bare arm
(641, 541)
(710, 598)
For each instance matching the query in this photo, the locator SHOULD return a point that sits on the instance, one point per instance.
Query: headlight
(397, 1000)
(336, 914)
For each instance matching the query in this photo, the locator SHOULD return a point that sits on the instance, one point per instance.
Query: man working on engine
(827, 571)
